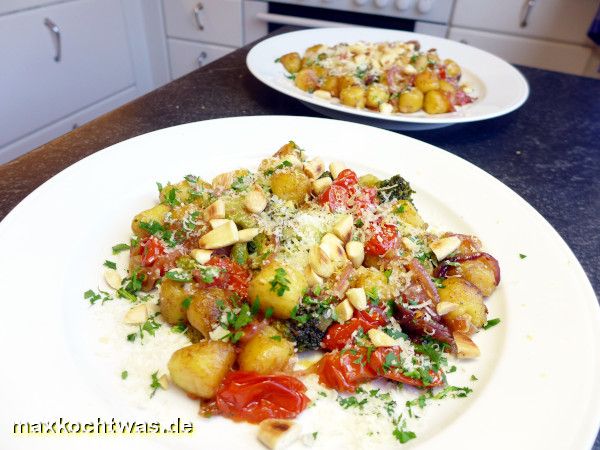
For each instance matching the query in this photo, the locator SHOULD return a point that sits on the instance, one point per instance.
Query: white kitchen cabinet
(105, 61)
(36, 87)
(556, 20)
(547, 34)
(200, 31)
(528, 52)
(64, 125)
(186, 56)
(213, 21)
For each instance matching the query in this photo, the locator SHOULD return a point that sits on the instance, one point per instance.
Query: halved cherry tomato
(151, 248)
(442, 73)
(232, 276)
(340, 334)
(365, 198)
(345, 370)
(377, 362)
(383, 238)
(336, 197)
(254, 398)
(347, 179)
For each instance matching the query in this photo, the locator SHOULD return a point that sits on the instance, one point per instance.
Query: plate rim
(364, 113)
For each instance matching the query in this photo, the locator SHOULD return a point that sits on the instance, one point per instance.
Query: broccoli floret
(395, 188)
(307, 327)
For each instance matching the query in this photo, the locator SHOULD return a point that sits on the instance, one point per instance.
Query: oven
(421, 16)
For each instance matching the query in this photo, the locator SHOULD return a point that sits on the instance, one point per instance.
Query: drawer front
(40, 137)
(214, 21)
(528, 52)
(559, 20)
(186, 56)
(95, 63)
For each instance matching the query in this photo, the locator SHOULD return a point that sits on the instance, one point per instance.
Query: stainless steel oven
(422, 16)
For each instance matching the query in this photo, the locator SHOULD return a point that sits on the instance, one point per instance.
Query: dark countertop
(548, 151)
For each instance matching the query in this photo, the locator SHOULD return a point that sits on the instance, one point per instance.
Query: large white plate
(539, 375)
(499, 86)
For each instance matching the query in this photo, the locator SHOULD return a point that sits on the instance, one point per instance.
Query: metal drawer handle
(199, 7)
(56, 35)
(201, 58)
(527, 8)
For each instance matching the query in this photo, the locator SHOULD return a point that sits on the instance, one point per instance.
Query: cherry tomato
(377, 362)
(442, 73)
(340, 334)
(254, 398)
(151, 248)
(344, 371)
(232, 276)
(347, 179)
(383, 238)
(336, 197)
(366, 197)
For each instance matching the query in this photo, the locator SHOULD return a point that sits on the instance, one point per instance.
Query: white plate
(499, 86)
(539, 378)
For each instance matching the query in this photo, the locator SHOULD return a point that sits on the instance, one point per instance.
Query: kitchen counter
(548, 151)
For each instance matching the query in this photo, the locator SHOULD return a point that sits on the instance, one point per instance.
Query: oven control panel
(425, 10)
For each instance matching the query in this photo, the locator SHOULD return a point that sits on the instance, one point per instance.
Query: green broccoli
(394, 188)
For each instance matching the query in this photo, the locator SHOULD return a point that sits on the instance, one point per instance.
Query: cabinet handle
(199, 7)
(56, 35)
(527, 8)
(201, 58)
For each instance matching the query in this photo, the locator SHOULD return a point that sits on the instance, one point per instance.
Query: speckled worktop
(548, 151)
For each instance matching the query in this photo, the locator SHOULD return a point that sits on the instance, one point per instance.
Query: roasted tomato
(383, 237)
(151, 248)
(344, 371)
(232, 276)
(253, 398)
(336, 197)
(345, 187)
(384, 361)
(339, 334)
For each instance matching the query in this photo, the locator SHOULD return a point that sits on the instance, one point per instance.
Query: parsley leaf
(155, 384)
(181, 276)
(522, 256)
(119, 248)
(280, 283)
(110, 264)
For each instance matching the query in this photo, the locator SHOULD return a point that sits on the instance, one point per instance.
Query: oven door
(281, 14)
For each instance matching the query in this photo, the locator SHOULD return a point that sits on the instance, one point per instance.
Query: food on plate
(258, 267)
(389, 77)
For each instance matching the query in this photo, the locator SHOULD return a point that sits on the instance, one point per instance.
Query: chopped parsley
(150, 326)
(155, 384)
(276, 338)
(159, 187)
(351, 402)
(388, 274)
(268, 312)
(171, 197)
(185, 304)
(93, 297)
(209, 273)
(491, 323)
(474, 378)
(522, 256)
(300, 318)
(124, 375)
(280, 283)
(179, 328)
(110, 264)
(119, 248)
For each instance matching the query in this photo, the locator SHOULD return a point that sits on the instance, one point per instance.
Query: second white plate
(500, 87)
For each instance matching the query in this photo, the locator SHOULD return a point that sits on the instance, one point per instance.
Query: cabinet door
(36, 90)
(528, 52)
(187, 56)
(559, 20)
(215, 21)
